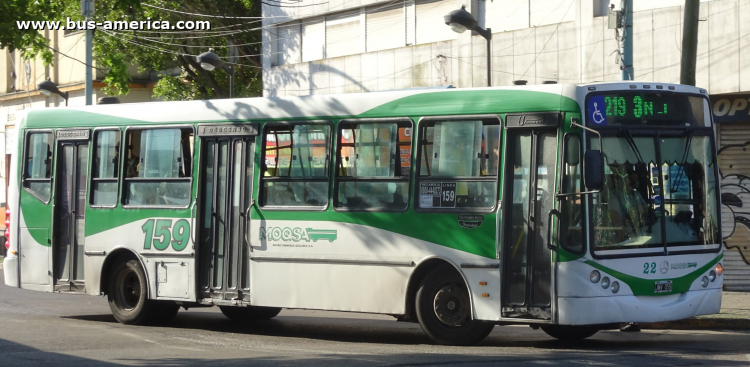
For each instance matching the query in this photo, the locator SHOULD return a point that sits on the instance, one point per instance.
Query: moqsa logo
(296, 234)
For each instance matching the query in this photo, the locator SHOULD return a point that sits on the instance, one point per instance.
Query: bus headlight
(712, 275)
(605, 282)
(719, 269)
(595, 276)
(704, 281)
(615, 287)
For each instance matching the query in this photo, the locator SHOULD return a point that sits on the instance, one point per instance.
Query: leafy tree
(164, 51)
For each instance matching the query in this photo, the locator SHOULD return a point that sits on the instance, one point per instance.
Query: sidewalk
(734, 315)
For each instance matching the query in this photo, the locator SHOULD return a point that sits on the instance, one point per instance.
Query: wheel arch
(422, 268)
(110, 259)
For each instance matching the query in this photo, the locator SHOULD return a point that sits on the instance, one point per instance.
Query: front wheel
(569, 333)
(127, 293)
(249, 313)
(444, 309)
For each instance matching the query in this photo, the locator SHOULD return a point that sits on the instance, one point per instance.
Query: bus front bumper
(629, 308)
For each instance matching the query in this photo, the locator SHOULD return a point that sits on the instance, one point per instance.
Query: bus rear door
(224, 205)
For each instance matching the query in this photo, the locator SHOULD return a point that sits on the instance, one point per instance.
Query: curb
(707, 323)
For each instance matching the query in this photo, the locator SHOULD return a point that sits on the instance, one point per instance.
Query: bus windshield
(659, 191)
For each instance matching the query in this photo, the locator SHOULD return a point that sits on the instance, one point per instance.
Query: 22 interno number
(161, 233)
(649, 268)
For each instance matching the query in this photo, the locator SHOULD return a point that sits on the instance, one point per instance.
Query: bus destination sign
(645, 108)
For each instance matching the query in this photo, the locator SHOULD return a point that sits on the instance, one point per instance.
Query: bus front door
(70, 210)
(529, 194)
(224, 204)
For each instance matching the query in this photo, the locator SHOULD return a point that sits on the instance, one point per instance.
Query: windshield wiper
(676, 181)
(633, 146)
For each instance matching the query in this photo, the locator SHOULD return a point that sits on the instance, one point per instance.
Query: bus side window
(571, 206)
(295, 165)
(374, 165)
(458, 163)
(105, 168)
(158, 167)
(38, 165)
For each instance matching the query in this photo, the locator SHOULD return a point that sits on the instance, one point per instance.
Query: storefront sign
(731, 108)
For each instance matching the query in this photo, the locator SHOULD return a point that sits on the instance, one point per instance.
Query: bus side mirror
(593, 170)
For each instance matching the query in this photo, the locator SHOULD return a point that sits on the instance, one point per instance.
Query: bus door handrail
(549, 228)
(192, 220)
(248, 216)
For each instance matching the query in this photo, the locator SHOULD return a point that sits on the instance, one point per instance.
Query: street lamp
(210, 61)
(47, 87)
(460, 20)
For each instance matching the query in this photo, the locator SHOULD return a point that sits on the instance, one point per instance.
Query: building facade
(348, 46)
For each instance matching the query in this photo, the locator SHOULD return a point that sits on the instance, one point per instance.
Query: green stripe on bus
(645, 287)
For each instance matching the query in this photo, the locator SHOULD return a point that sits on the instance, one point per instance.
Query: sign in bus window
(458, 163)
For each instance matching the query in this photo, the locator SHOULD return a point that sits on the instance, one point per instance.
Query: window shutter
(342, 34)
(313, 39)
(430, 24)
(386, 27)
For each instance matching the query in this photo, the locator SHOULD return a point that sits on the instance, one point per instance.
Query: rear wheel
(444, 309)
(569, 333)
(249, 313)
(127, 293)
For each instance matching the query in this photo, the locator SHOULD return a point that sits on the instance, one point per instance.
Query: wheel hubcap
(129, 289)
(452, 305)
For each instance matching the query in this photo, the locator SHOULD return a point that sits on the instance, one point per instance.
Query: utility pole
(87, 9)
(689, 42)
(626, 6)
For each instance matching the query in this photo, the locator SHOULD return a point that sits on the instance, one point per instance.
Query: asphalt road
(76, 330)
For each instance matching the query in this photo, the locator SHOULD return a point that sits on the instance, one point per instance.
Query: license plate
(662, 286)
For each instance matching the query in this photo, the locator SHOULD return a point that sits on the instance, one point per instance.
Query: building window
(373, 165)
(429, 20)
(313, 39)
(458, 164)
(343, 34)
(295, 166)
(37, 176)
(158, 167)
(601, 8)
(288, 43)
(386, 27)
(105, 168)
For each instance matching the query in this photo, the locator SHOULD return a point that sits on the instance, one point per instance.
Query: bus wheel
(249, 313)
(127, 293)
(444, 309)
(569, 333)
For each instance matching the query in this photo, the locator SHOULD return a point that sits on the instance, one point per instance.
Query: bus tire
(249, 313)
(443, 308)
(127, 293)
(569, 333)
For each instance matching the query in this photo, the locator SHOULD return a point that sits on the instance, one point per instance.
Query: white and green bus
(570, 208)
